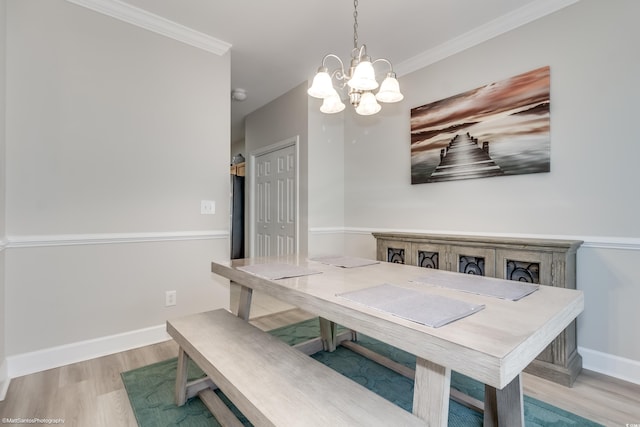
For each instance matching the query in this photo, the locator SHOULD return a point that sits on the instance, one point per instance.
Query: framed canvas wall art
(499, 129)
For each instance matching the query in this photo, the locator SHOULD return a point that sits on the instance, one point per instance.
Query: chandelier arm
(331, 55)
(339, 74)
(359, 52)
(384, 60)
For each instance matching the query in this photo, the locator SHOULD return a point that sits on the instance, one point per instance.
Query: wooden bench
(271, 383)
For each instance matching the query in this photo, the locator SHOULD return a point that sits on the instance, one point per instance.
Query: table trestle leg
(504, 407)
(431, 392)
(328, 334)
(244, 303)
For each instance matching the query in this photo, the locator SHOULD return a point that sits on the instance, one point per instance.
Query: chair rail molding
(110, 238)
(155, 23)
(326, 230)
(599, 242)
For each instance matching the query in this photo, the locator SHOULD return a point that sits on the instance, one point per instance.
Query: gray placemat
(278, 270)
(420, 307)
(345, 261)
(479, 285)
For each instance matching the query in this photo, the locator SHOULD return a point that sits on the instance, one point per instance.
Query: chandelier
(360, 79)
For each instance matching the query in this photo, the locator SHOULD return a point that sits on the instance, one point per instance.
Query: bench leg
(504, 407)
(181, 377)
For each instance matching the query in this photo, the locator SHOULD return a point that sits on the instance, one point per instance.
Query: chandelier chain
(355, 24)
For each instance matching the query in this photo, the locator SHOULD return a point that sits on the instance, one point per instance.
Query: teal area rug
(151, 388)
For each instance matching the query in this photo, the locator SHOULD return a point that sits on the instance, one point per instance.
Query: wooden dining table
(491, 345)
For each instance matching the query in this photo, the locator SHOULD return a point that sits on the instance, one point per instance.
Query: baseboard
(4, 380)
(41, 360)
(608, 364)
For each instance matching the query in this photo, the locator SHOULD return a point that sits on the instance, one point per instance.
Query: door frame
(286, 143)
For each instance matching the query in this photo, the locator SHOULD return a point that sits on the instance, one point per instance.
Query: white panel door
(275, 202)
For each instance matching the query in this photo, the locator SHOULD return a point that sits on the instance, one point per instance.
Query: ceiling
(278, 44)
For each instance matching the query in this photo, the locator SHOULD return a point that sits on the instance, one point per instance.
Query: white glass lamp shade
(322, 86)
(389, 90)
(364, 77)
(368, 105)
(332, 104)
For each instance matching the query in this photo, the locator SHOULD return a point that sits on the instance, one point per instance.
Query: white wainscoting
(23, 364)
(27, 363)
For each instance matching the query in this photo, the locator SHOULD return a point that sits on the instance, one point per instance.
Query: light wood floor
(91, 393)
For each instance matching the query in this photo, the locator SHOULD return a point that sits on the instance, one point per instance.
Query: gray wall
(112, 132)
(594, 69)
(2, 193)
(591, 192)
(321, 167)
(326, 180)
(283, 118)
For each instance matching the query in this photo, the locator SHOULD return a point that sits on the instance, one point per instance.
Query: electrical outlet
(169, 298)
(207, 207)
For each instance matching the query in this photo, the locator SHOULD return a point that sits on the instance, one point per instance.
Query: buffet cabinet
(540, 261)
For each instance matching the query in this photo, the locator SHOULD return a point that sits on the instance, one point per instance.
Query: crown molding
(503, 24)
(110, 238)
(155, 23)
